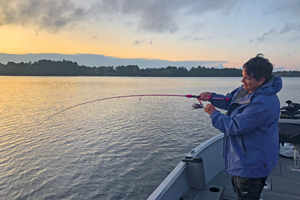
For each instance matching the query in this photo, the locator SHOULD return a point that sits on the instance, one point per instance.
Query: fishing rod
(195, 105)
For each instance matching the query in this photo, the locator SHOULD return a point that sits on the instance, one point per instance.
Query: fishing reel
(198, 105)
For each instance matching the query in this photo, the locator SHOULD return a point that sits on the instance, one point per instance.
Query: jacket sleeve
(250, 118)
(222, 104)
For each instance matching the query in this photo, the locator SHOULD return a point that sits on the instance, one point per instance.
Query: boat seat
(289, 132)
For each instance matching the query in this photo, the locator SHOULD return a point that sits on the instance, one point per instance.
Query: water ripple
(118, 149)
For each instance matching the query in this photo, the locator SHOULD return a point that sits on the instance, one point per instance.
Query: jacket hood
(273, 86)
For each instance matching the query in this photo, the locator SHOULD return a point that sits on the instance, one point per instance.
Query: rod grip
(192, 96)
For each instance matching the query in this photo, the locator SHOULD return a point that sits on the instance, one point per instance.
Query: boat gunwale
(164, 186)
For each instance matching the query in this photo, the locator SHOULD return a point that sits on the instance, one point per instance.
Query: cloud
(101, 60)
(52, 15)
(138, 42)
(219, 66)
(276, 69)
(266, 36)
(288, 27)
(159, 16)
(273, 33)
(290, 54)
(284, 7)
(188, 37)
(198, 26)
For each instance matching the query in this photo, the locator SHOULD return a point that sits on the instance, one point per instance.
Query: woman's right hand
(205, 96)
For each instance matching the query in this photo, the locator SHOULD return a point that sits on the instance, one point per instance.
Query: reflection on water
(114, 149)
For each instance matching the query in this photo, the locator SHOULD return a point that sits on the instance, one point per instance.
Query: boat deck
(281, 184)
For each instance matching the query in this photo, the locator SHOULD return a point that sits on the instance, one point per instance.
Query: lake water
(113, 149)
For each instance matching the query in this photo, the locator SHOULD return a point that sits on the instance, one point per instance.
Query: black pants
(248, 188)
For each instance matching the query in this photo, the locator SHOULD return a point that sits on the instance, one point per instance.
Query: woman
(250, 127)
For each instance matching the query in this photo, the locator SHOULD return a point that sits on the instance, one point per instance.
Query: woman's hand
(205, 96)
(209, 109)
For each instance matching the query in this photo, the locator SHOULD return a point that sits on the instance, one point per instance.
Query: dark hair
(259, 67)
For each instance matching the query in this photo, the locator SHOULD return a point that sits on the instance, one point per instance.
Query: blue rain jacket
(250, 128)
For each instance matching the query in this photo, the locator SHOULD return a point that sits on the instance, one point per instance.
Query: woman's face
(251, 84)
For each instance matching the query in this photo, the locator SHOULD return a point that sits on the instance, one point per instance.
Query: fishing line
(195, 106)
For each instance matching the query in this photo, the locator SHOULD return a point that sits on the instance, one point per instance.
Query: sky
(151, 33)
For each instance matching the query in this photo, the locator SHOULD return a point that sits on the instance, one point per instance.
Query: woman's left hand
(209, 109)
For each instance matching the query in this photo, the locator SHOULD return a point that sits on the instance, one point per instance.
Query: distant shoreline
(69, 68)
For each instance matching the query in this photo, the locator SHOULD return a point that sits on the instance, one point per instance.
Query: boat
(200, 176)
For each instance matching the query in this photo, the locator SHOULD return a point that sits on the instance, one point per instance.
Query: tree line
(69, 68)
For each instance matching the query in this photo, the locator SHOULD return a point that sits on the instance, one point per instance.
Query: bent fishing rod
(195, 105)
